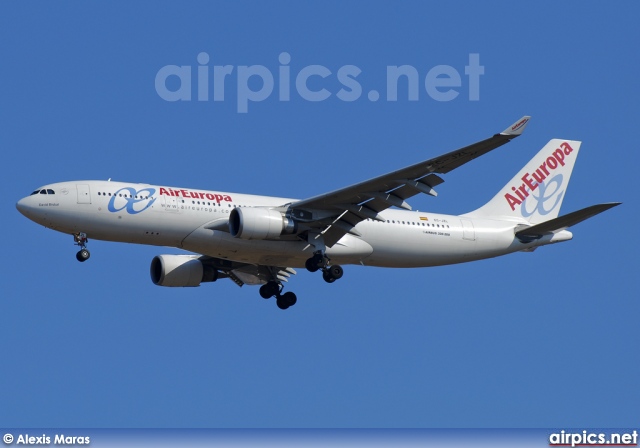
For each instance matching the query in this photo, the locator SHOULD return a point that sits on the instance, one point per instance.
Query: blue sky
(548, 339)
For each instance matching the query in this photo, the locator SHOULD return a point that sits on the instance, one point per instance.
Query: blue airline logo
(546, 191)
(132, 200)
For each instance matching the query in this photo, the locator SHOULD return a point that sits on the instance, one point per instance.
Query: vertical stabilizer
(535, 194)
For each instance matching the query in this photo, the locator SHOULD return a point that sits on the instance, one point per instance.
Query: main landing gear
(80, 239)
(319, 261)
(272, 288)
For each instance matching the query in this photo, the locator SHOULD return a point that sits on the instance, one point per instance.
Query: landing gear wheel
(83, 255)
(269, 290)
(265, 293)
(311, 265)
(332, 273)
(80, 239)
(318, 261)
(289, 298)
(336, 271)
(286, 300)
(326, 275)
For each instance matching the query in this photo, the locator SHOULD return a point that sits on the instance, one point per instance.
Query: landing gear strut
(80, 239)
(272, 288)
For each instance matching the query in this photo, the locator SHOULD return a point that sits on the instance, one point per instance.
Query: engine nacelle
(180, 270)
(259, 224)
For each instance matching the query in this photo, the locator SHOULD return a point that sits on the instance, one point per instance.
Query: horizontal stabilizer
(563, 222)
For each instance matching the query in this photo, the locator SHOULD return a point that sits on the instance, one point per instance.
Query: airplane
(259, 240)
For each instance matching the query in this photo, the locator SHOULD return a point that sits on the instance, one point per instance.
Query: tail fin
(535, 194)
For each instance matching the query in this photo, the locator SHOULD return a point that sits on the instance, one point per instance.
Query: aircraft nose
(23, 206)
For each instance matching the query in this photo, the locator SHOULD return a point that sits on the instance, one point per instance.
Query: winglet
(516, 128)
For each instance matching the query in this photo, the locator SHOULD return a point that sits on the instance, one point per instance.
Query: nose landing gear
(80, 239)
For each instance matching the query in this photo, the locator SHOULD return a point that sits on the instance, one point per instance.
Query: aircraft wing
(337, 212)
(245, 273)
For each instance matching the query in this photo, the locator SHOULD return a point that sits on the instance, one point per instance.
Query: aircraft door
(84, 194)
(468, 232)
(170, 203)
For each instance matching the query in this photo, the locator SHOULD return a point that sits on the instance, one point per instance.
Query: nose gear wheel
(80, 239)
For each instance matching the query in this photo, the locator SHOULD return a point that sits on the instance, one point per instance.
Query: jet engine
(181, 270)
(259, 224)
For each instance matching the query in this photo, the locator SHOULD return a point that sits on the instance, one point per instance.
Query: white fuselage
(183, 218)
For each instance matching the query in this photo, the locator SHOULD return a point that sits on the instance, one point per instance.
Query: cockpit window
(44, 191)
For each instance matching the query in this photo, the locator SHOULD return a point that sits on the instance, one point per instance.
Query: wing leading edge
(337, 213)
